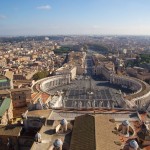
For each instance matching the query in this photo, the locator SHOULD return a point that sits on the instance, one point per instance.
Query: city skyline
(80, 17)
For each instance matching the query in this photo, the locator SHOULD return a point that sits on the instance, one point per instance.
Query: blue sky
(49, 17)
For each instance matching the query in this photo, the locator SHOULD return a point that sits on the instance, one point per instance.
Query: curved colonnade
(49, 83)
(141, 90)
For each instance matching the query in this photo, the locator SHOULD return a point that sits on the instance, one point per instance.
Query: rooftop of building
(70, 114)
(66, 67)
(92, 128)
(10, 130)
(93, 132)
(98, 58)
(4, 105)
(20, 89)
(49, 135)
(7, 92)
(4, 92)
(9, 74)
(45, 97)
(3, 79)
(39, 113)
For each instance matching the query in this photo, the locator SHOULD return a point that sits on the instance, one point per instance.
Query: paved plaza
(90, 91)
(87, 93)
(83, 98)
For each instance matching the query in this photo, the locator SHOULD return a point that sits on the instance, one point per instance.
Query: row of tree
(62, 50)
(99, 48)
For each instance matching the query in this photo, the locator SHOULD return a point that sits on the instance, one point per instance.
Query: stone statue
(93, 103)
(80, 104)
(75, 104)
(113, 105)
(88, 104)
(101, 104)
(108, 104)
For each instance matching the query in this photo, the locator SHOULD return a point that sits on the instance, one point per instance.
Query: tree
(40, 75)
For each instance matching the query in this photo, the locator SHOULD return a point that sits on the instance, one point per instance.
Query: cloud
(2, 17)
(44, 7)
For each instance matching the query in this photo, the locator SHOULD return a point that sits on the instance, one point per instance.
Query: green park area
(62, 50)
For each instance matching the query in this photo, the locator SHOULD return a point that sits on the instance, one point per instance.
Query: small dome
(63, 122)
(126, 123)
(57, 143)
(134, 144)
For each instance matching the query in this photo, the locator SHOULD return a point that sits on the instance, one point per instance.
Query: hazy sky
(47, 17)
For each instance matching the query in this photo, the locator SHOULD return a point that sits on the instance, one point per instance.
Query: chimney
(125, 127)
(58, 144)
(63, 123)
(38, 137)
(133, 145)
